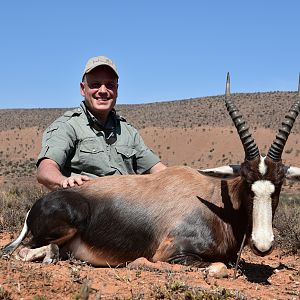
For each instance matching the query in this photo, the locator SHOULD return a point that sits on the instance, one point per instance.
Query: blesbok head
(262, 176)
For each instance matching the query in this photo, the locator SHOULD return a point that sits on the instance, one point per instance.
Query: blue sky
(164, 50)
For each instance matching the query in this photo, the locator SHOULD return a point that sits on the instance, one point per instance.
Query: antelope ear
(224, 172)
(292, 173)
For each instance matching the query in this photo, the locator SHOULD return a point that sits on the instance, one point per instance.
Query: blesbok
(179, 215)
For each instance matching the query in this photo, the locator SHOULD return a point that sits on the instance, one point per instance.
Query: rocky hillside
(196, 132)
(260, 109)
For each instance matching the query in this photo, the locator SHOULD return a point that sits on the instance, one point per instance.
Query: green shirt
(79, 145)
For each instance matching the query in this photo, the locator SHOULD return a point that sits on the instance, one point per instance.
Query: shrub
(14, 204)
(287, 224)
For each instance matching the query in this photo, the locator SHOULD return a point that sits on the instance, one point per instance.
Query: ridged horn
(284, 131)
(250, 148)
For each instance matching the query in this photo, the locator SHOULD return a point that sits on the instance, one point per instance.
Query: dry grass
(181, 291)
(287, 223)
(14, 203)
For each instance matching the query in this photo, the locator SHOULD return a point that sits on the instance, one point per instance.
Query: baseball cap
(97, 61)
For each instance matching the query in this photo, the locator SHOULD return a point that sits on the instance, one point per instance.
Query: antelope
(179, 215)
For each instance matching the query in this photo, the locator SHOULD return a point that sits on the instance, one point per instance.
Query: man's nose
(102, 89)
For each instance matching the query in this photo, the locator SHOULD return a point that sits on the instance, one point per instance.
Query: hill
(196, 132)
(206, 111)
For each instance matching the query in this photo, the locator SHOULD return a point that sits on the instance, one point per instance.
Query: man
(93, 140)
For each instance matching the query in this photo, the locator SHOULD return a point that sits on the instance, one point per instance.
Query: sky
(164, 50)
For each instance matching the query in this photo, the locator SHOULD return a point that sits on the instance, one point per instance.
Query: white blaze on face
(262, 233)
(262, 167)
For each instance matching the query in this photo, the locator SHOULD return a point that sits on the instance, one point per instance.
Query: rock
(217, 270)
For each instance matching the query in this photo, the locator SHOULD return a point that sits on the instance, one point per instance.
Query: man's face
(100, 90)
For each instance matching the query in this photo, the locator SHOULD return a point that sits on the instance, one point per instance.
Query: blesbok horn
(284, 131)
(250, 147)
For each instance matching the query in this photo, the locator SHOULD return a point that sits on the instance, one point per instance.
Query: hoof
(52, 254)
(22, 254)
(48, 254)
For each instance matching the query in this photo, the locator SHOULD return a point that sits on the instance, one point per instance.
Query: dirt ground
(276, 276)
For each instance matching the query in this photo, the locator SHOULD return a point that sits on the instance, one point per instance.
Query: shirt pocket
(90, 147)
(126, 151)
(92, 157)
(127, 159)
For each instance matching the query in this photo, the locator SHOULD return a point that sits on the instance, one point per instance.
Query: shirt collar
(110, 122)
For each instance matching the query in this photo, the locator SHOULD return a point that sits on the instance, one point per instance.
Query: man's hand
(48, 174)
(74, 180)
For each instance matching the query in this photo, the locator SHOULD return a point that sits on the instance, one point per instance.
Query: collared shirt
(80, 145)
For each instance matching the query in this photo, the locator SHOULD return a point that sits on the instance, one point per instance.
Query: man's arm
(48, 174)
(157, 168)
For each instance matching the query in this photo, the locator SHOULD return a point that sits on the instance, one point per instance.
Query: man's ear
(224, 172)
(82, 89)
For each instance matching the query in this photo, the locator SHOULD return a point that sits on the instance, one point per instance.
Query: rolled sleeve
(57, 143)
(145, 157)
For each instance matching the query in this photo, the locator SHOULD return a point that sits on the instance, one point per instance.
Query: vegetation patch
(287, 224)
